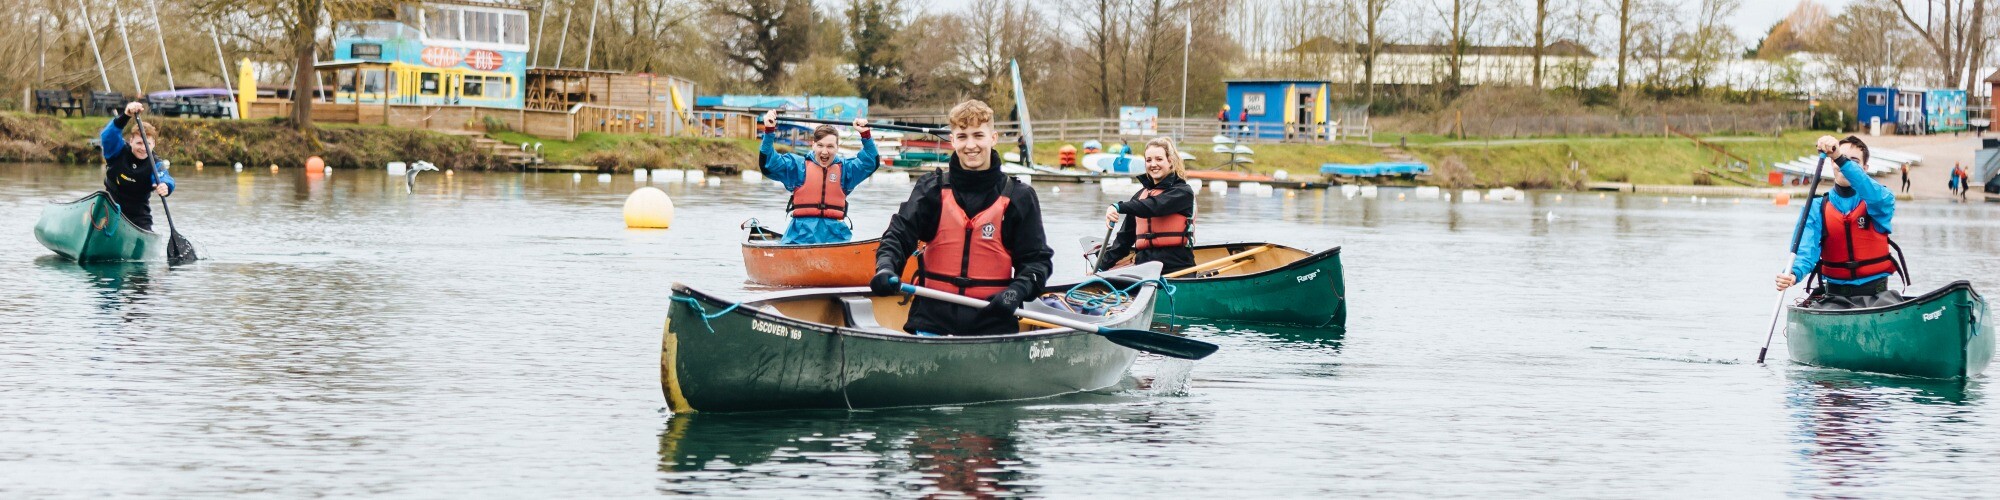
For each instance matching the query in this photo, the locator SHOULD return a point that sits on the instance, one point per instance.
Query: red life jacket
(1851, 248)
(967, 256)
(821, 195)
(1170, 230)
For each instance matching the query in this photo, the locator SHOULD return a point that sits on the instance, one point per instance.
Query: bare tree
(1460, 19)
(765, 36)
(1955, 31)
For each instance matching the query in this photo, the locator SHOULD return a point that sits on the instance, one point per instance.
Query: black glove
(1003, 303)
(884, 284)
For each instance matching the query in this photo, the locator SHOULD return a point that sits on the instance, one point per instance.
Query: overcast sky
(1751, 21)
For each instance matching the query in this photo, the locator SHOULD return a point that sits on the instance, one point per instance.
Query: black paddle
(179, 250)
(1798, 231)
(904, 128)
(1154, 342)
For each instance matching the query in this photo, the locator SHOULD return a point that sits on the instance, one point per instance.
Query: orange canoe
(820, 265)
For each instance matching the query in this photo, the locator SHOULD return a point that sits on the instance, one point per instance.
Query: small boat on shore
(1228, 175)
(769, 262)
(844, 349)
(1945, 334)
(92, 229)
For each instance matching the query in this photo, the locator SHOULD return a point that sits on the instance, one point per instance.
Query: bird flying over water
(410, 176)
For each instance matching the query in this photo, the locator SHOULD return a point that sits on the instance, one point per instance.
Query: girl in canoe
(820, 183)
(1846, 239)
(1159, 219)
(131, 173)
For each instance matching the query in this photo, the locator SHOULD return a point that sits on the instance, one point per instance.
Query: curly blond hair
(971, 113)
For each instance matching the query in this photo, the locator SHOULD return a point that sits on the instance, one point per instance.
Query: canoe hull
(92, 229)
(1945, 334)
(822, 265)
(1308, 292)
(750, 359)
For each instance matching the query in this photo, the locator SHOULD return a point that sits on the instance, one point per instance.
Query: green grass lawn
(1296, 159)
(1639, 160)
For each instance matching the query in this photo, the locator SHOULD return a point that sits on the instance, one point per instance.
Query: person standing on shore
(1846, 240)
(1906, 178)
(132, 174)
(1159, 219)
(820, 183)
(1223, 118)
(983, 235)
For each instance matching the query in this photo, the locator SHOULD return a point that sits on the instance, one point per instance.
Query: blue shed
(1274, 102)
(1872, 103)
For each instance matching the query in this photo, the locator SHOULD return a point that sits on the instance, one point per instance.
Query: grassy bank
(624, 152)
(1295, 159)
(26, 137)
(1546, 163)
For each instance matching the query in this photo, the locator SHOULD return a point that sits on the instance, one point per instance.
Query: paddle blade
(179, 249)
(1173, 346)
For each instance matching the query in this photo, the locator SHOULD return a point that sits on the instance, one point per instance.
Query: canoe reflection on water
(952, 456)
(1854, 427)
(980, 451)
(1327, 338)
(118, 285)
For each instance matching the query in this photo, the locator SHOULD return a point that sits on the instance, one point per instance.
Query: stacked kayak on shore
(92, 229)
(1944, 334)
(844, 349)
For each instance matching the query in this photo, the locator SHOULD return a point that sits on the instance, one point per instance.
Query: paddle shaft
(884, 126)
(1023, 313)
(1798, 231)
(1219, 262)
(154, 156)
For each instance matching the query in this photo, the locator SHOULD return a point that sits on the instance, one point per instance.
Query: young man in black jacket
(983, 232)
(132, 175)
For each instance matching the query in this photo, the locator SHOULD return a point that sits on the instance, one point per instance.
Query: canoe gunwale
(1310, 259)
(1916, 301)
(1130, 313)
(774, 244)
(114, 203)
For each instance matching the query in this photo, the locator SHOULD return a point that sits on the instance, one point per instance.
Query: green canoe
(1280, 284)
(843, 349)
(1942, 334)
(93, 230)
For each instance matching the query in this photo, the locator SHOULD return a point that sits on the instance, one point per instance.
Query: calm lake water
(498, 335)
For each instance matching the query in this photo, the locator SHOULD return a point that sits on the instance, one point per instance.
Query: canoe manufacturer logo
(1934, 315)
(1040, 350)
(774, 329)
(986, 231)
(1309, 277)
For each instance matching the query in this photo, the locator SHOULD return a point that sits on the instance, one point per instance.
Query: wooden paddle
(1149, 341)
(1219, 262)
(1798, 231)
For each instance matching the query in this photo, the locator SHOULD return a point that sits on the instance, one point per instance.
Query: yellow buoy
(274, 167)
(197, 165)
(649, 207)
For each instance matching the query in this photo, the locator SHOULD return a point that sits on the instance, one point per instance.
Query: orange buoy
(314, 163)
(1783, 199)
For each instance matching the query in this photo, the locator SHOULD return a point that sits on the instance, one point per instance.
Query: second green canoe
(1943, 334)
(1279, 284)
(92, 229)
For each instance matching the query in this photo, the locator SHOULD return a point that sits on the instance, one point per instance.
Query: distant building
(1268, 105)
